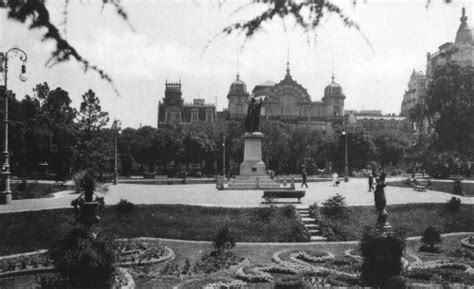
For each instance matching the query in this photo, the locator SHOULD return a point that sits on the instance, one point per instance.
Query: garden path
(355, 192)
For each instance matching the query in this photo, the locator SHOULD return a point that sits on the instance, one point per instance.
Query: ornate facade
(173, 108)
(414, 93)
(289, 101)
(460, 52)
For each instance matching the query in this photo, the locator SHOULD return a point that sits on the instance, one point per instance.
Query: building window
(167, 116)
(209, 116)
(239, 109)
(194, 116)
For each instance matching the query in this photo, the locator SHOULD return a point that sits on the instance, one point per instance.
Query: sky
(171, 40)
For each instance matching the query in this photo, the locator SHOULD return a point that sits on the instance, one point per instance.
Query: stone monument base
(253, 164)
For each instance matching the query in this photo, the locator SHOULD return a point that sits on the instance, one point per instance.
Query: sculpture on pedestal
(252, 120)
(381, 201)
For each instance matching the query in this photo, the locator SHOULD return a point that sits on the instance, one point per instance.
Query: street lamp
(413, 151)
(223, 156)
(6, 194)
(346, 167)
(116, 126)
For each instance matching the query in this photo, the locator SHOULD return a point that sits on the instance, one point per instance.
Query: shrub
(125, 207)
(292, 282)
(223, 240)
(332, 232)
(457, 187)
(84, 260)
(381, 253)
(85, 183)
(289, 211)
(314, 212)
(297, 233)
(430, 238)
(265, 213)
(335, 206)
(453, 205)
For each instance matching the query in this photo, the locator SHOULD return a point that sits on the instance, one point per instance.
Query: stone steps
(310, 224)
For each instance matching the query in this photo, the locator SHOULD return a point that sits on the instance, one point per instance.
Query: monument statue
(252, 119)
(381, 201)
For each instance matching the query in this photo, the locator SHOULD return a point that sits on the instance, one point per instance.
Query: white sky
(170, 37)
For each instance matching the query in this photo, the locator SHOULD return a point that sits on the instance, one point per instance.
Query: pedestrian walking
(304, 176)
(371, 182)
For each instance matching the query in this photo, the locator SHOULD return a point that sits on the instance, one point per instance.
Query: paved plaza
(355, 192)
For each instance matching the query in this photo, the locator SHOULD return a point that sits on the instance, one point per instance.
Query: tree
(431, 237)
(391, 147)
(360, 149)
(91, 116)
(449, 99)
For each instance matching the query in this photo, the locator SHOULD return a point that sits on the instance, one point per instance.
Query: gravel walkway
(355, 192)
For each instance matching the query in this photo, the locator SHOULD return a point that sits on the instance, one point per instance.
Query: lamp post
(346, 167)
(223, 156)
(413, 151)
(116, 131)
(6, 194)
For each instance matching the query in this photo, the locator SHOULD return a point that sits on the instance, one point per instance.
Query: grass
(24, 190)
(28, 231)
(413, 218)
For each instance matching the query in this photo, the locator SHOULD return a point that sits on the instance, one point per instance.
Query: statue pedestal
(253, 164)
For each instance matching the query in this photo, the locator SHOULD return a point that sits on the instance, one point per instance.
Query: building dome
(333, 89)
(238, 86)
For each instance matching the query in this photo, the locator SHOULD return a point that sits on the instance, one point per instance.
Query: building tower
(238, 98)
(172, 107)
(334, 100)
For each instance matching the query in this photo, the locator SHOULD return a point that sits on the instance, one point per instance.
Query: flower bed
(253, 275)
(323, 257)
(235, 284)
(468, 242)
(142, 251)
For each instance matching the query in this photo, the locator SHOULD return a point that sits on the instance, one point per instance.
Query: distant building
(373, 121)
(414, 93)
(289, 101)
(460, 52)
(174, 109)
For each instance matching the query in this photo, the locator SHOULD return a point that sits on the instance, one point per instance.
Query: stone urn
(88, 216)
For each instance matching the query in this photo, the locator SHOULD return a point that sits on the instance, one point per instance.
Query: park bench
(422, 185)
(283, 194)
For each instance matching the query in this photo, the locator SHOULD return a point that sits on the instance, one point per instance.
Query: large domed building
(289, 101)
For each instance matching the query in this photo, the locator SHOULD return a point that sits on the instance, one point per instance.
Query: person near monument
(304, 176)
(335, 179)
(371, 181)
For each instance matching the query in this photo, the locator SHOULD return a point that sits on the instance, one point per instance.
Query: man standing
(371, 181)
(304, 176)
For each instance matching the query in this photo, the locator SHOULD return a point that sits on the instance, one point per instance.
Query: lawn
(28, 231)
(32, 190)
(413, 218)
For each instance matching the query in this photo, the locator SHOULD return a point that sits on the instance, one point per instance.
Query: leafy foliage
(381, 253)
(224, 239)
(448, 100)
(453, 205)
(431, 237)
(83, 259)
(335, 206)
(125, 207)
